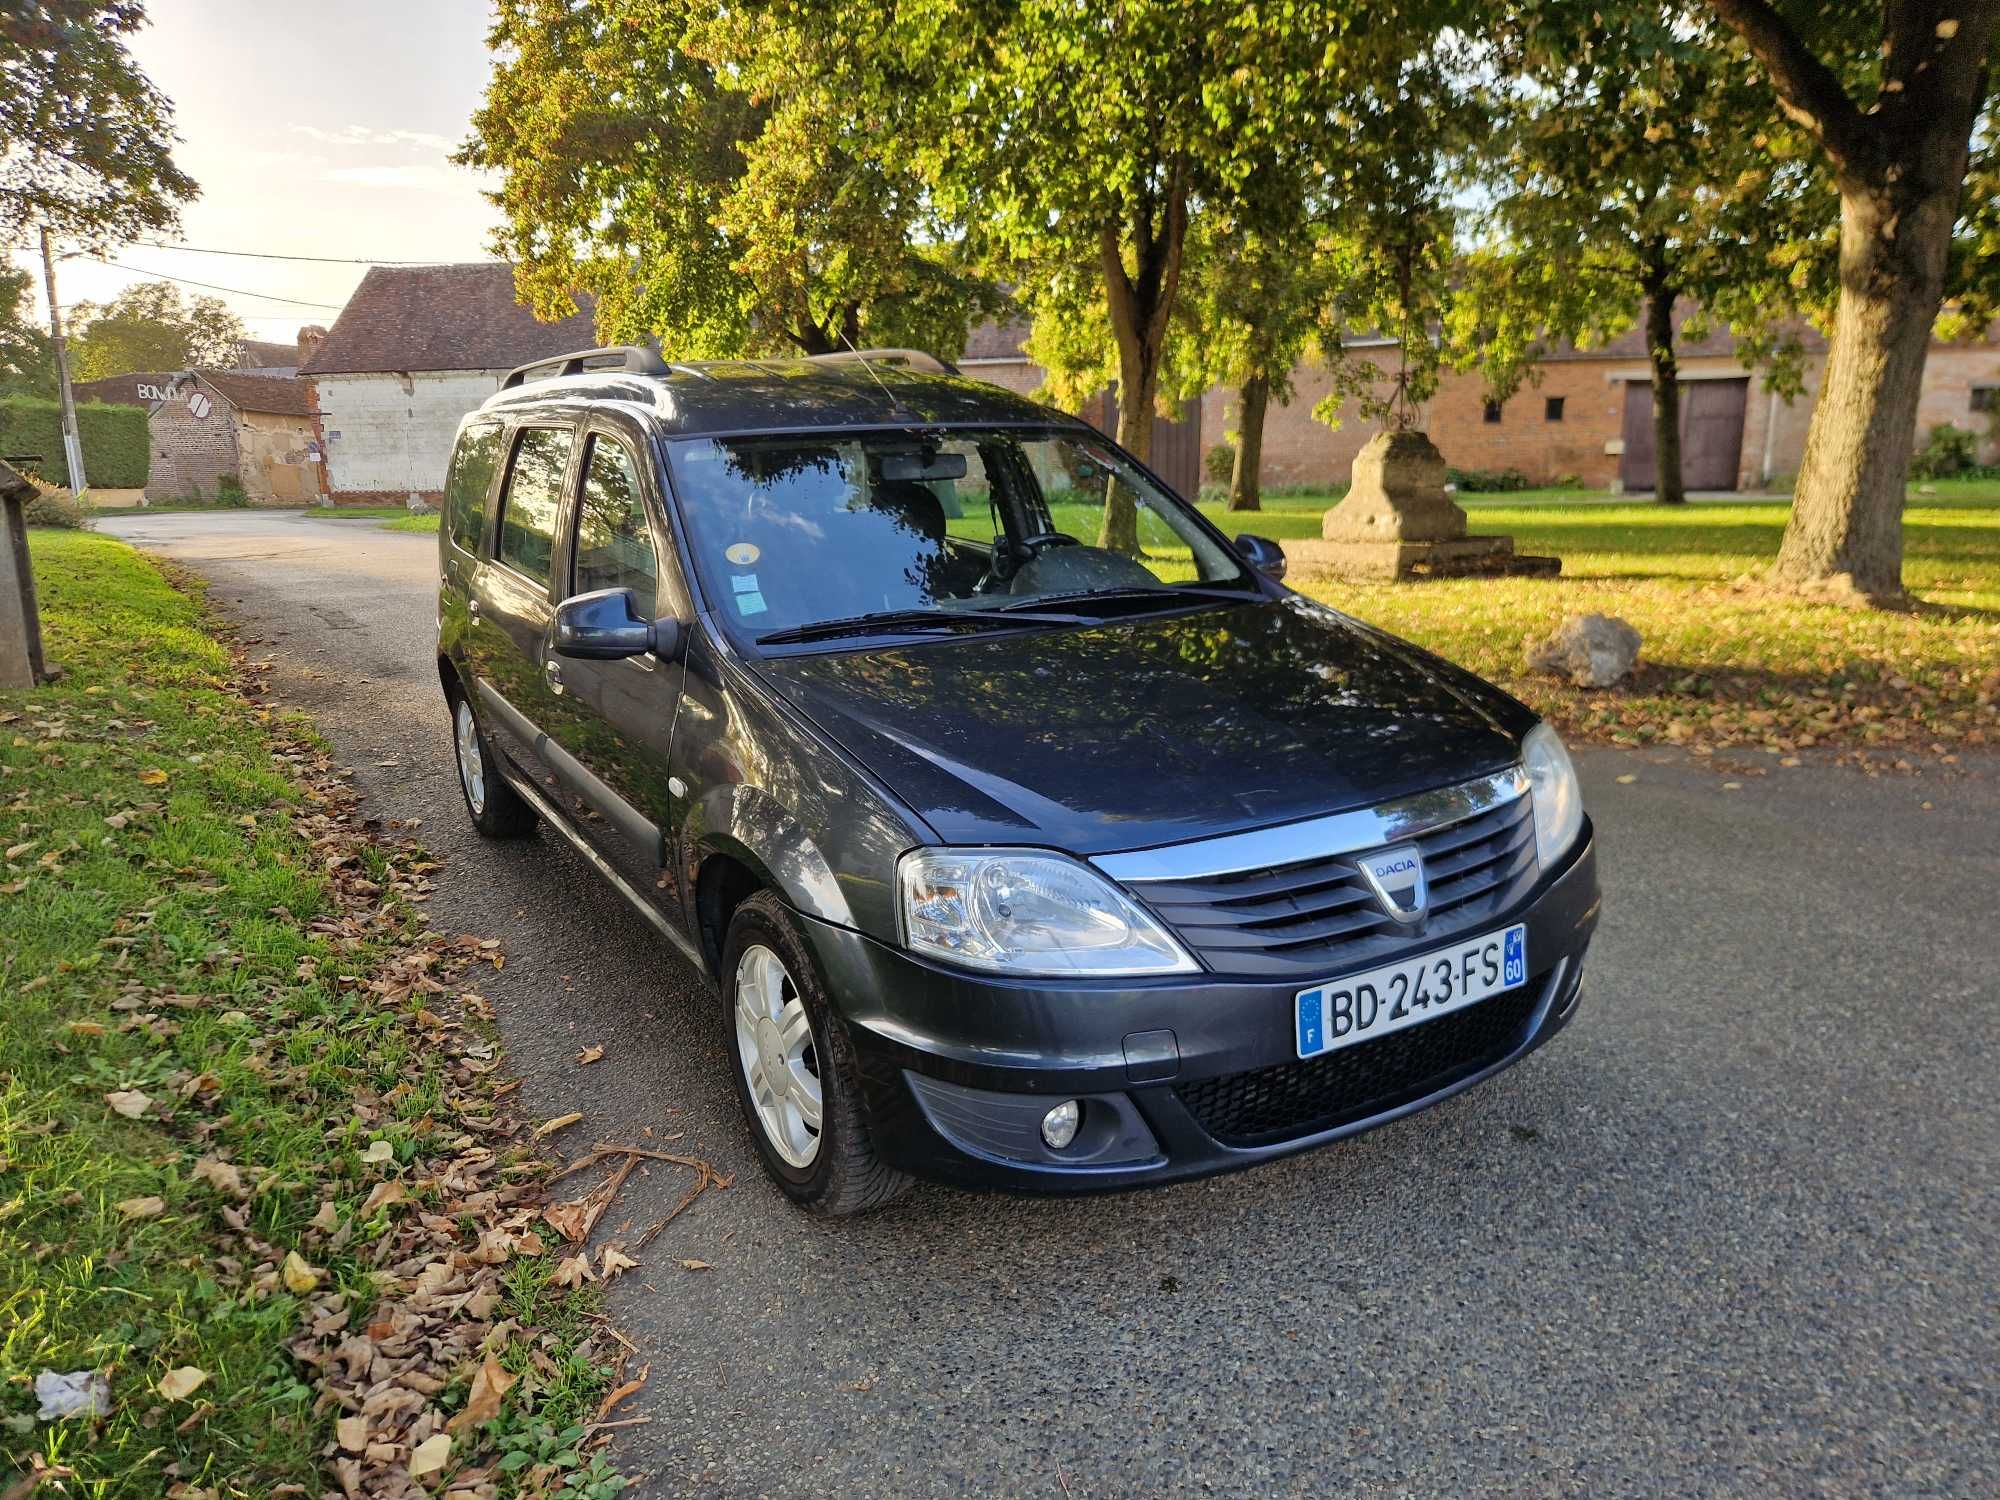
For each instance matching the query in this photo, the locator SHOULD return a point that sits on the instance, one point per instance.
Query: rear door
(613, 728)
(513, 598)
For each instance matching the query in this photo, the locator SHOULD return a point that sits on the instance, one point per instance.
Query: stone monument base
(1388, 562)
(1398, 521)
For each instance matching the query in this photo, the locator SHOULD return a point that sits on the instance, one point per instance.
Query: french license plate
(1361, 1007)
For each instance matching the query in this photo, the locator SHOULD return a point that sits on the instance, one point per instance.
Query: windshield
(795, 536)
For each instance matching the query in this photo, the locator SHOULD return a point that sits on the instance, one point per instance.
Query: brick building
(208, 426)
(415, 349)
(1589, 418)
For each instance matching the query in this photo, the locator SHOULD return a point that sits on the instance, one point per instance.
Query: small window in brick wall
(1552, 409)
(1986, 398)
(1492, 413)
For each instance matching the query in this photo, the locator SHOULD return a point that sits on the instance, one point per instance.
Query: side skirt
(604, 867)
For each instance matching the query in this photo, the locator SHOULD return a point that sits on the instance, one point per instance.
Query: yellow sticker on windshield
(743, 554)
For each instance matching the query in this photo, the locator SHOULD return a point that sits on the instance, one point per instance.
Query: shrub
(116, 446)
(229, 491)
(1219, 463)
(61, 508)
(1488, 481)
(1946, 452)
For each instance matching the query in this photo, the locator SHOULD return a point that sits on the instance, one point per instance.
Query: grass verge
(409, 522)
(247, 1122)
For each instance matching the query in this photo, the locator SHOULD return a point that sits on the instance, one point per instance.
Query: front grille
(1317, 917)
(1358, 1082)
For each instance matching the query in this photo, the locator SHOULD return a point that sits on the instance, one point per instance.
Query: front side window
(614, 541)
(964, 524)
(534, 495)
(466, 486)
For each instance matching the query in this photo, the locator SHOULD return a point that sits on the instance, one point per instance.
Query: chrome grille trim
(1310, 912)
(1318, 838)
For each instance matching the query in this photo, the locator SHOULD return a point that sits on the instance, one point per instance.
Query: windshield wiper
(1166, 593)
(894, 621)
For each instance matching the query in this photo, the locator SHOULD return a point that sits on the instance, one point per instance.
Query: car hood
(1149, 731)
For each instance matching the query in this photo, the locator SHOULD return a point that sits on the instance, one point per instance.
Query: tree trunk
(1141, 306)
(1668, 487)
(1845, 535)
(1246, 489)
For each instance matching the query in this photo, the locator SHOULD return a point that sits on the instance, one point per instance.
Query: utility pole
(72, 438)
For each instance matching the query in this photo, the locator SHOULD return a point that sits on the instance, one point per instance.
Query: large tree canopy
(706, 187)
(150, 326)
(1622, 178)
(1085, 147)
(85, 139)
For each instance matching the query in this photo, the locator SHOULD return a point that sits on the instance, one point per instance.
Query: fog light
(1059, 1124)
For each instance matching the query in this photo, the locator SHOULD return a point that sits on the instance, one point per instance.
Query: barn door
(1176, 456)
(1711, 434)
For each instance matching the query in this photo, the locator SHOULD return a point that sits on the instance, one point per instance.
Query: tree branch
(1807, 89)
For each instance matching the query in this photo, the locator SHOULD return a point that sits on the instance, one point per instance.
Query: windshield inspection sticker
(743, 554)
(749, 597)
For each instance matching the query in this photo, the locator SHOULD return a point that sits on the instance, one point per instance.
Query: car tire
(496, 809)
(772, 989)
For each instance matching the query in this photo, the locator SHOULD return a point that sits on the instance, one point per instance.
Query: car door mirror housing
(1263, 554)
(606, 624)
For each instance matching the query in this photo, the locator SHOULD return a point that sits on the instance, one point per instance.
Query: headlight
(1023, 911)
(1558, 799)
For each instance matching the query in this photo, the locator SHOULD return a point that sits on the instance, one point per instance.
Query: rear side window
(467, 485)
(534, 494)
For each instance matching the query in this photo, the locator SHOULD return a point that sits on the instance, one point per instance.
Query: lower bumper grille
(1268, 1105)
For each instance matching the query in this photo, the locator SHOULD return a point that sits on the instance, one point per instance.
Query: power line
(324, 260)
(234, 291)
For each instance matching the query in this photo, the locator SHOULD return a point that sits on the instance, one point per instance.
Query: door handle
(552, 673)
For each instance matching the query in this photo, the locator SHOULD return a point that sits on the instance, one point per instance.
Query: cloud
(365, 135)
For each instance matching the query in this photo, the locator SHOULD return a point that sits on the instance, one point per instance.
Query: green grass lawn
(198, 1049)
(404, 521)
(1725, 662)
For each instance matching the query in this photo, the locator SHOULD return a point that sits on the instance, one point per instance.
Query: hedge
(116, 445)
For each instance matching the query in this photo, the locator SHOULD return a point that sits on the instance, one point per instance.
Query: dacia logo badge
(1396, 876)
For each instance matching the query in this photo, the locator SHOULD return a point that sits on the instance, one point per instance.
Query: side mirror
(1263, 554)
(606, 624)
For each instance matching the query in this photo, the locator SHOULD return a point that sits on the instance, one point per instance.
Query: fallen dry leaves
(178, 1385)
(591, 1053)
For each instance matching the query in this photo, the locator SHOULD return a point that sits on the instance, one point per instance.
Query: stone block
(1397, 494)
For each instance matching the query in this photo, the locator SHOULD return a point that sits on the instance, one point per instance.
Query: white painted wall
(393, 433)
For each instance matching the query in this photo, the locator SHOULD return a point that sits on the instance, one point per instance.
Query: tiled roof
(123, 390)
(997, 338)
(442, 318)
(279, 395)
(261, 354)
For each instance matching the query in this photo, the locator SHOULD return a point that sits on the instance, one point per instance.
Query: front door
(613, 729)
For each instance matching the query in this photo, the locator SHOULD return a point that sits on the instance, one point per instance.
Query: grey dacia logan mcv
(1034, 834)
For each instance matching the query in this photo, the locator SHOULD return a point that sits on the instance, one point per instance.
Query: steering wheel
(1009, 557)
(1042, 540)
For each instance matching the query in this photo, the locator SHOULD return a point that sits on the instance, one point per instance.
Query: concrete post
(20, 622)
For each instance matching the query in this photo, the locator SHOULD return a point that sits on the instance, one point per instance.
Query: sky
(313, 129)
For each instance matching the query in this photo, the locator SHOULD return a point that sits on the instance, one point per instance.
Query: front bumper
(1180, 1077)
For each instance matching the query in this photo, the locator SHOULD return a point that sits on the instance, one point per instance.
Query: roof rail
(916, 359)
(636, 358)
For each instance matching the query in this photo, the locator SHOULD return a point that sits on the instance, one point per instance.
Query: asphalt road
(1736, 1232)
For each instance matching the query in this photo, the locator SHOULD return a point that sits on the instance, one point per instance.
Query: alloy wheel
(471, 761)
(774, 1048)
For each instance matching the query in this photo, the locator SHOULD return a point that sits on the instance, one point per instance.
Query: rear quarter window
(469, 482)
